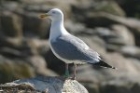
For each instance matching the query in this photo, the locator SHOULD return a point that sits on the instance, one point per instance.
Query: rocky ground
(111, 27)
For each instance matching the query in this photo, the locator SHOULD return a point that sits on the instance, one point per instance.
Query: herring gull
(67, 47)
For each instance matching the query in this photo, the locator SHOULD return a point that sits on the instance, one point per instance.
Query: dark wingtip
(114, 68)
(104, 64)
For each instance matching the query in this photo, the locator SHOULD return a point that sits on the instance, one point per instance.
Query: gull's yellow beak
(44, 15)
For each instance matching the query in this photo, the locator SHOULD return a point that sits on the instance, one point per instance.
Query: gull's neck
(57, 29)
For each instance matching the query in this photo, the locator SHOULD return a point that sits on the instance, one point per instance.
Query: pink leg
(75, 68)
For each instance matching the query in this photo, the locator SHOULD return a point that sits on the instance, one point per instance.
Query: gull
(67, 47)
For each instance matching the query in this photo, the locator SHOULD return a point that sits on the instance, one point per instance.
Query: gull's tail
(104, 64)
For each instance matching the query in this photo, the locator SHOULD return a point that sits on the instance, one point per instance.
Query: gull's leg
(75, 68)
(67, 70)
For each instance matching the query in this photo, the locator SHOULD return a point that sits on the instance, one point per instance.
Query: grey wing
(73, 48)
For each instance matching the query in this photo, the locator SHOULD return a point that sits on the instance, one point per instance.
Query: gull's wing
(72, 48)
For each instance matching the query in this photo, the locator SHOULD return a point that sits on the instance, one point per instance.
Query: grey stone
(130, 51)
(101, 24)
(124, 34)
(11, 24)
(75, 27)
(47, 85)
(105, 32)
(121, 86)
(40, 66)
(12, 69)
(34, 26)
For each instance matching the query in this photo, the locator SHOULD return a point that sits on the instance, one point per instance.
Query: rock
(11, 53)
(125, 4)
(130, 51)
(13, 69)
(10, 42)
(116, 41)
(24, 47)
(96, 19)
(12, 6)
(101, 24)
(44, 6)
(129, 22)
(105, 33)
(106, 19)
(38, 46)
(75, 28)
(98, 6)
(11, 24)
(110, 37)
(47, 85)
(15, 47)
(34, 26)
(84, 13)
(128, 66)
(113, 47)
(79, 29)
(40, 66)
(124, 34)
(121, 86)
(110, 7)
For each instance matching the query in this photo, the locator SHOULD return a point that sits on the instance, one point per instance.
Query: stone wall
(107, 26)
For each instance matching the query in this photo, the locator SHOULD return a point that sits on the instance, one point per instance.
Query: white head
(54, 14)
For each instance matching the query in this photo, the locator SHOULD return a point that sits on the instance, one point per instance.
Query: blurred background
(111, 27)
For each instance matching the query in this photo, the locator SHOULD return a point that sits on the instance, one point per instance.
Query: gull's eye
(53, 12)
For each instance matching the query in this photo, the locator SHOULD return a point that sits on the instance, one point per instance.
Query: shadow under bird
(67, 47)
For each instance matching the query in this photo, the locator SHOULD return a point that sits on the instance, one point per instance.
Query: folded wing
(72, 48)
